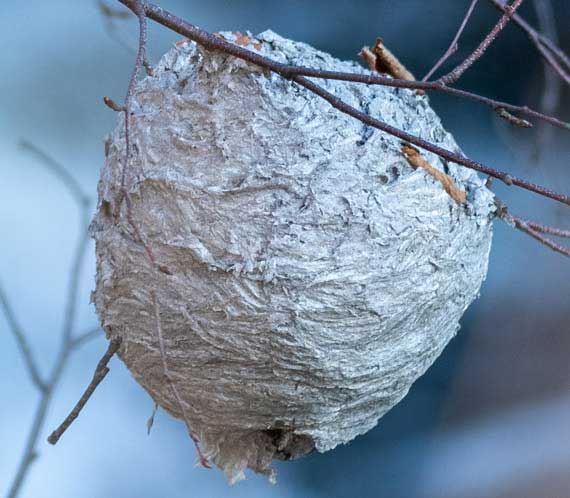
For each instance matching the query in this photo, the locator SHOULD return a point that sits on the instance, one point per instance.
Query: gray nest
(315, 274)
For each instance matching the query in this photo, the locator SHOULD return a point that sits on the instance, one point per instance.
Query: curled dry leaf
(387, 62)
(417, 161)
(380, 59)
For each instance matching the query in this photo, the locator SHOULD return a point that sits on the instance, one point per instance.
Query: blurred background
(489, 419)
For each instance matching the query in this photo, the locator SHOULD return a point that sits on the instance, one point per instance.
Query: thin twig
(558, 232)
(529, 227)
(456, 73)
(172, 384)
(74, 279)
(537, 37)
(552, 91)
(100, 372)
(454, 44)
(547, 48)
(30, 454)
(58, 171)
(139, 9)
(554, 64)
(66, 342)
(109, 16)
(532, 228)
(21, 339)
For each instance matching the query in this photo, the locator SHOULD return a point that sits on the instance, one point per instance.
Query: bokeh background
(490, 419)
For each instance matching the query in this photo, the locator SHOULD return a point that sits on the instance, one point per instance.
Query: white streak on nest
(316, 275)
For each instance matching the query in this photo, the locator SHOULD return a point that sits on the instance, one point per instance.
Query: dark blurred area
(490, 419)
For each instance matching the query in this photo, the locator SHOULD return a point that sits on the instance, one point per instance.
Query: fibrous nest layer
(315, 275)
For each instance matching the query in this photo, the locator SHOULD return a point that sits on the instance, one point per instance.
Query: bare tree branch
(58, 171)
(456, 73)
(532, 228)
(295, 73)
(288, 71)
(109, 16)
(547, 48)
(139, 9)
(66, 342)
(454, 44)
(552, 91)
(558, 232)
(21, 339)
(529, 227)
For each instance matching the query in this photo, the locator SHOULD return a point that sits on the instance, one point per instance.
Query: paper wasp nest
(315, 274)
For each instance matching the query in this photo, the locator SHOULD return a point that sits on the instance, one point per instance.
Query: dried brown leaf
(387, 62)
(380, 59)
(417, 161)
(368, 56)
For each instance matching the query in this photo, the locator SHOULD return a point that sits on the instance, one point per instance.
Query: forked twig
(109, 16)
(68, 342)
(59, 171)
(456, 73)
(536, 231)
(552, 89)
(23, 343)
(558, 232)
(454, 44)
(532, 228)
(547, 48)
